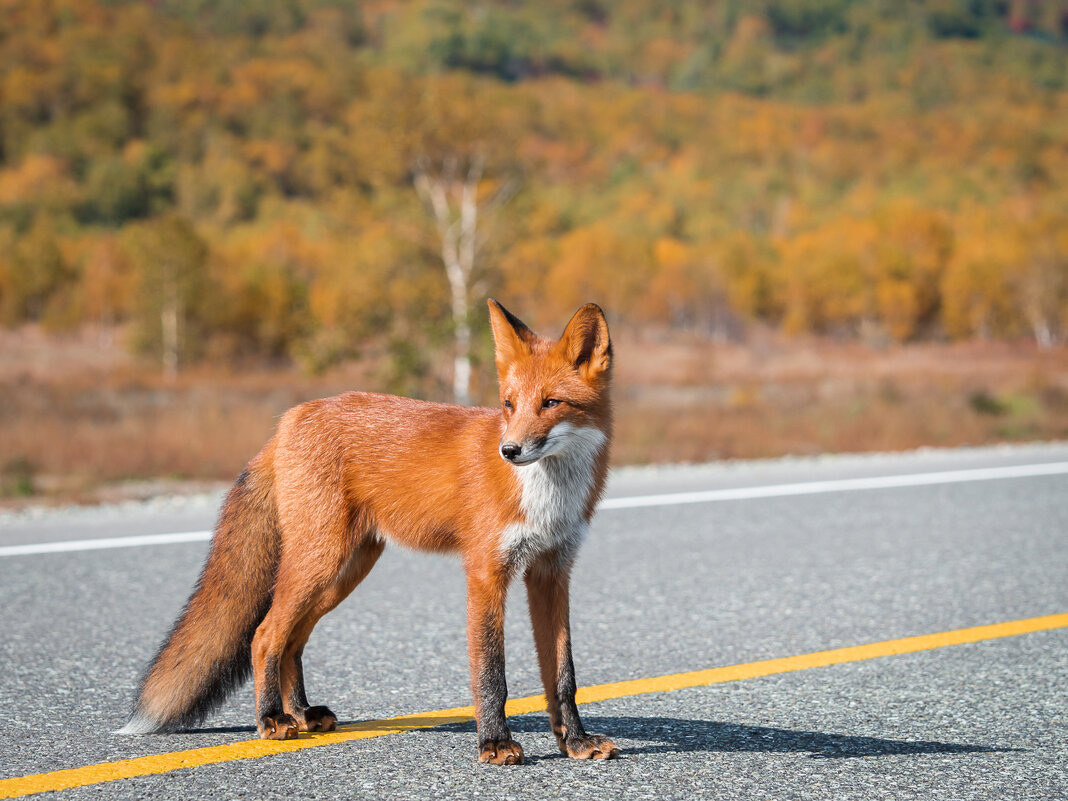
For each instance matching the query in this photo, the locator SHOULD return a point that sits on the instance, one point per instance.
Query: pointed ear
(511, 337)
(585, 342)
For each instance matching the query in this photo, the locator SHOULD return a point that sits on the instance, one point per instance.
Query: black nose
(511, 451)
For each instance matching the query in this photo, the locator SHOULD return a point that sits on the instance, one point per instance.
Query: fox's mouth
(525, 457)
(526, 454)
(537, 450)
(523, 461)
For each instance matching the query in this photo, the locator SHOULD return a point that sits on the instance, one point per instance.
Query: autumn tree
(172, 289)
(977, 297)
(336, 173)
(38, 281)
(460, 168)
(451, 195)
(1041, 282)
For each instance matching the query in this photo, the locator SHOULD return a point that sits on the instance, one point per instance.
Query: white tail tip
(139, 723)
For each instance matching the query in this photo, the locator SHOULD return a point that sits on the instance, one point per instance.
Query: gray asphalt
(657, 590)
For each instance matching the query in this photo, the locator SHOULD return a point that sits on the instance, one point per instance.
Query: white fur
(556, 489)
(139, 723)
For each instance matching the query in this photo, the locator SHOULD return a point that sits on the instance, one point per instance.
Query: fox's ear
(511, 337)
(585, 341)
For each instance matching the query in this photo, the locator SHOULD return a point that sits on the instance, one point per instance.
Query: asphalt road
(658, 590)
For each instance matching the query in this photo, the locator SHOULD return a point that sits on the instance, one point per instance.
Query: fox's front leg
(486, 591)
(547, 592)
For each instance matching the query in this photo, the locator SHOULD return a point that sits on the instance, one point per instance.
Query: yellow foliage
(523, 268)
(695, 165)
(109, 281)
(826, 276)
(597, 262)
(39, 179)
(898, 307)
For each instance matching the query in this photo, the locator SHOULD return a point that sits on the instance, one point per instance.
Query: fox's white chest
(555, 491)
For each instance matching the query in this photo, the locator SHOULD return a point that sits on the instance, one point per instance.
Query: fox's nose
(511, 450)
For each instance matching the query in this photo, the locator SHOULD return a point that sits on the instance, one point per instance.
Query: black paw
(318, 718)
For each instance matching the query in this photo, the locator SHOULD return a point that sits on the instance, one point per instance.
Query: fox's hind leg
(313, 576)
(291, 674)
(292, 601)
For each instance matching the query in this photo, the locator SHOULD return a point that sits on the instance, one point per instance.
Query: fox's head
(554, 394)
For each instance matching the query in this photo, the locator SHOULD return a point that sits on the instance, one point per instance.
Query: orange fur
(510, 489)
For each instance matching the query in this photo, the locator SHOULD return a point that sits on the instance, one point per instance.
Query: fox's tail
(208, 652)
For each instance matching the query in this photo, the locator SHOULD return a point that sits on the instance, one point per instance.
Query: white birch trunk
(454, 207)
(169, 321)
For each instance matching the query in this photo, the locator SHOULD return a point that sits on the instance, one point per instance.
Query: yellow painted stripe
(253, 749)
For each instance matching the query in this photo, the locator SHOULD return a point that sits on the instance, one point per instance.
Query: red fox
(511, 489)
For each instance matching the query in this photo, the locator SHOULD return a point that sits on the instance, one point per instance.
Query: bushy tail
(208, 652)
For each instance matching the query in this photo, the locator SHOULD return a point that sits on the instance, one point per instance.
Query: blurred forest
(313, 183)
(237, 179)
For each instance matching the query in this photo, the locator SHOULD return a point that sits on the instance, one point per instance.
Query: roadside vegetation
(81, 419)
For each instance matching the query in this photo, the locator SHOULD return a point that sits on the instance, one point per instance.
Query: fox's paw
(501, 752)
(590, 746)
(278, 727)
(318, 718)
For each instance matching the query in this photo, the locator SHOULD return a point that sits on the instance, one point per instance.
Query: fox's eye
(550, 403)
(507, 404)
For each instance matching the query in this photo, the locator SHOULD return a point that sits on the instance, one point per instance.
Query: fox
(510, 489)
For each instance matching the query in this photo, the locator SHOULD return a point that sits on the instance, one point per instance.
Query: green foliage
(38, 279)
(129, 186)
(982, 402)
(966, 19)
(800, 22)
(17, 477)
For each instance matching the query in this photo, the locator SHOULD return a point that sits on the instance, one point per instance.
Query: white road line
(636, 501)
(839, 485)
(108, 542)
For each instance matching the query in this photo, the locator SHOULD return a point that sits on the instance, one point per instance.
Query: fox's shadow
(660, 735)
(674, 735)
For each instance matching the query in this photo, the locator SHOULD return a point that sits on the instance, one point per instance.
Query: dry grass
(697, 402)
(78, 414)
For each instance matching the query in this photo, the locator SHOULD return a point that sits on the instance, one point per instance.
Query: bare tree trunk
(1043, 289)
(453, 203)
(169, 321)
(1042, 330)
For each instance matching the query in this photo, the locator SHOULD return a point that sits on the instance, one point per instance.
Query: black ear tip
(518, 325)
(493, 303)
(592, 309)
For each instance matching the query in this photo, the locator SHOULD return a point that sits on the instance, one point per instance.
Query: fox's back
(414, 471)
(429, 475)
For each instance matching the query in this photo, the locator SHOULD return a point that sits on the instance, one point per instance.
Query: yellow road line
(253, 749)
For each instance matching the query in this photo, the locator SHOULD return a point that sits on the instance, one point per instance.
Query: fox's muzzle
(521, 453)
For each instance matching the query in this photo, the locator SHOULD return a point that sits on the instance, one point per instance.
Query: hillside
(235, 180)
